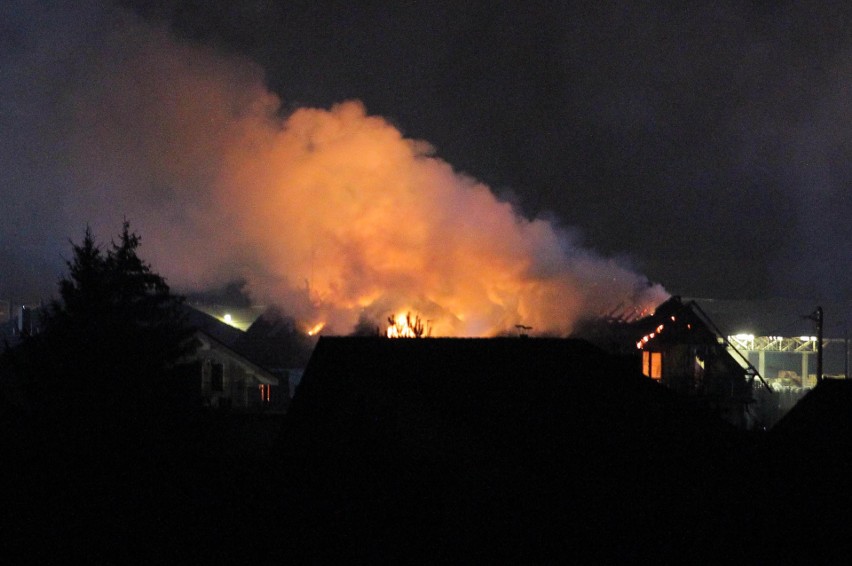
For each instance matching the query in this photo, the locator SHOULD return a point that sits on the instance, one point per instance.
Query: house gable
(230, 380)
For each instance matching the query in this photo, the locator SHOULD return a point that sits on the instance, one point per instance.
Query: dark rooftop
(519, 442)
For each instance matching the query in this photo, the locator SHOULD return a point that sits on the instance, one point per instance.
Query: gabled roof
(673, 322)
(222, 336)
(679, 322)
(211, 326)
(475, 442)
(262, 374)
(275, 341)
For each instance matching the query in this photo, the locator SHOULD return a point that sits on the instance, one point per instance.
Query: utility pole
(817, 316)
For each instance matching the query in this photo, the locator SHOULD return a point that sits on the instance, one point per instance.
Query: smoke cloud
(332, 213)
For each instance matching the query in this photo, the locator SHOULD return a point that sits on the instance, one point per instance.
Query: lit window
(652, 364)
(265, 392)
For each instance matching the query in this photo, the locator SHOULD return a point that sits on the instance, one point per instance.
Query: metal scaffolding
(804, 346)
(800, 344)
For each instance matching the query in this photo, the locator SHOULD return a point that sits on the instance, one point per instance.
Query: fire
(404, 326)
(648, 337)
(312, 331)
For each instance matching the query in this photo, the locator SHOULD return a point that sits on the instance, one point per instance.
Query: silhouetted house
(511, 448)
(227, 378)
(230, 380)
(680, 347)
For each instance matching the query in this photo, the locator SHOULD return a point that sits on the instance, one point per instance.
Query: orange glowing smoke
(365, 221)
(331, 213)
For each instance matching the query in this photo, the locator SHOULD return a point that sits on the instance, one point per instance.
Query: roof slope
(496, 442)
(223, 333)
(275, 341)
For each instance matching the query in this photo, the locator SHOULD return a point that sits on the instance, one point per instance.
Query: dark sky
(709, 143)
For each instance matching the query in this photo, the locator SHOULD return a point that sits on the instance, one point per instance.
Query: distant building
(16, 322)
(779, 336)
(772, 340)
(228, 380)
(680, 347)
(246, 400)
(227, 377)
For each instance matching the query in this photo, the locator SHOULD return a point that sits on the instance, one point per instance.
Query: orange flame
(312, 331)
(404, 326)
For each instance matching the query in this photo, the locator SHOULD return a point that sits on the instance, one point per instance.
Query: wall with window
(230, 382)
(652, 364)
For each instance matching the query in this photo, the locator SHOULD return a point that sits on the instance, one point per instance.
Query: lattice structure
(800, 344)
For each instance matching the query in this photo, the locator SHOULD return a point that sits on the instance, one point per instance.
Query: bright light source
(315, 328)
(227, 318)
(744, 337)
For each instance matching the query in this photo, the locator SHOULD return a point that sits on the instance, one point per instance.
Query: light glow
(265, 392)
(312, 331)
(403, 325)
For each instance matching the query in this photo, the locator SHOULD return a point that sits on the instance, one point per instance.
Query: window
(265, 393)
(652, 364)
(217, 377)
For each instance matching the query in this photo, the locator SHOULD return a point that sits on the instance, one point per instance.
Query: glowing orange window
(652, 364)
(264, 393)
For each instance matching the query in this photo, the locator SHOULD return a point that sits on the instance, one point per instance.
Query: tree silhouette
(102, 372)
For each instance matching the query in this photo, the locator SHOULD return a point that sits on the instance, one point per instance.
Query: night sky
(705, 144)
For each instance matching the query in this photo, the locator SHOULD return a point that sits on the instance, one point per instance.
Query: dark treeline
(532, 451)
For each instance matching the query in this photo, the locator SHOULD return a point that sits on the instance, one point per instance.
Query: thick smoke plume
(332, 213)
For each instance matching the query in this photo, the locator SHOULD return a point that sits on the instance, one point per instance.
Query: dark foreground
(595, 468)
